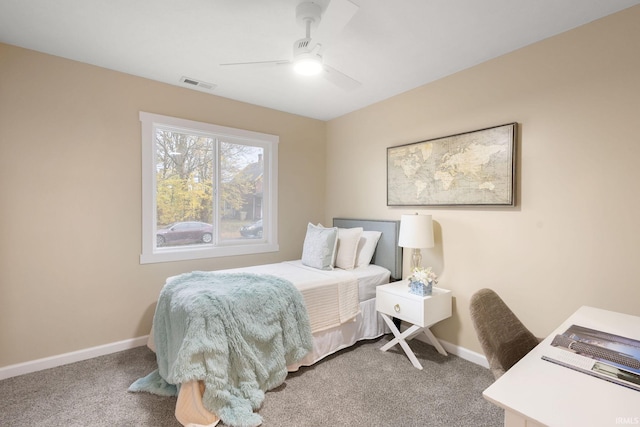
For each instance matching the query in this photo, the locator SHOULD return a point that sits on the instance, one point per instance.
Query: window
(207, 190)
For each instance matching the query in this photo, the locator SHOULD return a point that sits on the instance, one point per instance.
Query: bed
(339, 302)
(367, 324)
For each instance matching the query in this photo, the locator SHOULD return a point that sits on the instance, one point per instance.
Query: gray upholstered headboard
(388, 254)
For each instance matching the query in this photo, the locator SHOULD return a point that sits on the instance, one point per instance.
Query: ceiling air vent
(197, 83)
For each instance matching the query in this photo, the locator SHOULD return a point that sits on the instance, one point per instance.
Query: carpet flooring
(359, 386)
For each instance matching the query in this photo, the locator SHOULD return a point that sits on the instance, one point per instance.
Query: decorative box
(419, 288)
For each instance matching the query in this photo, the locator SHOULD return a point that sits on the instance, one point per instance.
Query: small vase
(419, 288)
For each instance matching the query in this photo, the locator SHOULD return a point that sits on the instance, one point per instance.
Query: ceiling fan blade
(335, 18)
(276, 62)
(340, 79)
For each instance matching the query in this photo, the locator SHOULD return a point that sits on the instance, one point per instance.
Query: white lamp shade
(416, 231)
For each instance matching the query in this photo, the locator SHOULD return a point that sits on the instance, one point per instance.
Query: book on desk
(600, 354)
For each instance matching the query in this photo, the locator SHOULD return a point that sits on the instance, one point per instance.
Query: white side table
(394, 300)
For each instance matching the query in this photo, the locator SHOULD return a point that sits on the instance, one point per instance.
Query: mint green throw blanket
(237, 332)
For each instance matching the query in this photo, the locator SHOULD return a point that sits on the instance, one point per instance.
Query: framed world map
(472, 168)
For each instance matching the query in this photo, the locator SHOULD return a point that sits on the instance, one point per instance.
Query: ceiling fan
(307, 52)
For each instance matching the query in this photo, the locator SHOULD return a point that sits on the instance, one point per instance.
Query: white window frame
(269, 241)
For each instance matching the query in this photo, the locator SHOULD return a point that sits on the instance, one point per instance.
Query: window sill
(185, 254)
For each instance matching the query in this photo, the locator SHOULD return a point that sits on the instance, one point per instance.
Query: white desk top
(554, 395)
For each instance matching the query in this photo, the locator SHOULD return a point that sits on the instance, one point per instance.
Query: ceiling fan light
(308, 66)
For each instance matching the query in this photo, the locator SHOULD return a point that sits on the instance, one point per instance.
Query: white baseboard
(463, 353)
(89, 353)
(75, 356)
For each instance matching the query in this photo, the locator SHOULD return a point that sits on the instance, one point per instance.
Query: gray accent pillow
(319, 247)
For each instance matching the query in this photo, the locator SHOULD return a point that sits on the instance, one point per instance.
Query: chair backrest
(503, 337)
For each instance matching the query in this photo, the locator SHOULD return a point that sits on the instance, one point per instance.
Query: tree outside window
(210, 189)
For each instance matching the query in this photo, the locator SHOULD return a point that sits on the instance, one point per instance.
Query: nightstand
(394, 300)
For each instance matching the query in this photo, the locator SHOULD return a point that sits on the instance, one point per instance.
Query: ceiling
(389, 47)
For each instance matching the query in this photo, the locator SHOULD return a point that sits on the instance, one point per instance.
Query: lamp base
(416, 259)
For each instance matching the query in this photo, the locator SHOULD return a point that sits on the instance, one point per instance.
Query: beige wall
(572, 240)
(70, 184)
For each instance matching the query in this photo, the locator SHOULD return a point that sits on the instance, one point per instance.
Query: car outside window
(208, 190)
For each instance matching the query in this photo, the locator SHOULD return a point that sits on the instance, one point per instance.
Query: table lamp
(416, 232)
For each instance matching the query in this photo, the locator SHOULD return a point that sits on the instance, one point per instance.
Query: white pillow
(348, 239)
(319, 247)
(367, 247)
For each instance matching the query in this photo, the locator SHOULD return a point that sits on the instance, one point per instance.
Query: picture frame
(476, 168)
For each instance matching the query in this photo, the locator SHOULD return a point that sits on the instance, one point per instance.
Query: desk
(535, 392)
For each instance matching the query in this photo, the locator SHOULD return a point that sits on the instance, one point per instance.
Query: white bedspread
(331, 296)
